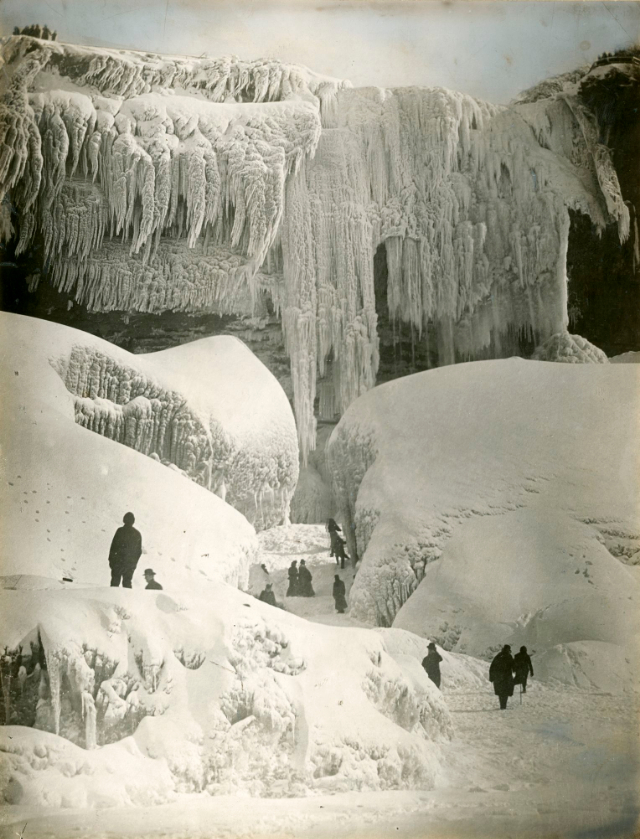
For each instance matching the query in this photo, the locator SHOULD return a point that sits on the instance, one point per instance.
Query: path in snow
(310, 542)
(561, 764)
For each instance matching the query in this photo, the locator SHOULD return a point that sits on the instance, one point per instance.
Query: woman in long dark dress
(294, 584)
(304, 581)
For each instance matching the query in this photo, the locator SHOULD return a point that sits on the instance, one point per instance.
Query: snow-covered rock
(209, 410)
(206, 690)
(626, 358)
(571, 349)
(452, 454)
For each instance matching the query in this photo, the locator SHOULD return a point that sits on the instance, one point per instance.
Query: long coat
(304, 582)
(339, 595)
(293, 590)
(126, 548)
(501, 674)
(431, 663)
(523, 667)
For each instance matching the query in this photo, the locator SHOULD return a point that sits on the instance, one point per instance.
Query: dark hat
(302, 562)
(269, 585)
(523, 649)
(506, 647)
(149, 571)
(128, 518)
(431, 646)
(337, 577)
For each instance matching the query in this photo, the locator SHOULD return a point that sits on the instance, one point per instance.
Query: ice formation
(191, 184)
(209, 410)
(208, 692)
(571, 349)
(416, 460)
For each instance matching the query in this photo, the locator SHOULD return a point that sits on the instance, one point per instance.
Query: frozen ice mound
(500, 476)
(570, 349)
(205, 691)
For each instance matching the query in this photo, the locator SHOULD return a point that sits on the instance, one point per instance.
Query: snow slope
(510, 486)
(207, 690)
(209, 410)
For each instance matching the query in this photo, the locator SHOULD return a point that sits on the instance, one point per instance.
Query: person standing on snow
(293, 590)
(523, 668)
(337, 542)
(304, 581)
(431, 664)
(501, 674)
(339, 592)
(126, 549)
(267, 596)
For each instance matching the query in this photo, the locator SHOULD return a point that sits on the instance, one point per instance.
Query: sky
(491, 50)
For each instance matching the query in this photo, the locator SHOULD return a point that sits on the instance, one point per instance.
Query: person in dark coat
(339, 592)
(293, 590)
(150, 577)
(523, 667)
(267, 595)
(304, 581)
(126, 549)
(337, 542)
(431, 664)
(501, 674)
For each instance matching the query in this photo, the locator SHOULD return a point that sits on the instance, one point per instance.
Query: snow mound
(205, 691)
(533, 577)
(418, 459)
(626, 358)
(571, 349)
(209, 410)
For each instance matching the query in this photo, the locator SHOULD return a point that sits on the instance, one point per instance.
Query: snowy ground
(560, 764)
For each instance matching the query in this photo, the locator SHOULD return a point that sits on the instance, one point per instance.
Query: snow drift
(225, 179)
(209, 410)
(509, 486)
(206, 691)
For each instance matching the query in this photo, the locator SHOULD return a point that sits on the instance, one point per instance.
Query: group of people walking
(505, 672)
(300, 580)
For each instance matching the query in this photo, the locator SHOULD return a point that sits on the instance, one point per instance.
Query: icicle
(89, 715)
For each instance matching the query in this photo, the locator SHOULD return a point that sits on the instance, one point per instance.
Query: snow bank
(454, 452)
(571, 349)
(205, 691)
(209, 410)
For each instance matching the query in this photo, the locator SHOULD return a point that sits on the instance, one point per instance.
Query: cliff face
(137, 183)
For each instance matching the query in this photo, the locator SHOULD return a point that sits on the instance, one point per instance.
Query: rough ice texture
(570, 349)
(470, 200)
(208, 692)
(209, 410)
(415, 461)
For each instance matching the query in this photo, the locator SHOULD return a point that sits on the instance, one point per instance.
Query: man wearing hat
(150, 577)
(431, 663)
(501, 674)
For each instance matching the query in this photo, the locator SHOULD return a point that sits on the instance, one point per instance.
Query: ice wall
(214, 692)
(270, 179)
